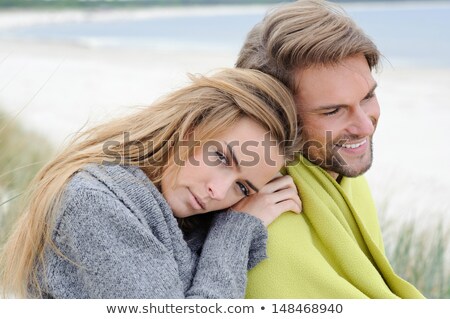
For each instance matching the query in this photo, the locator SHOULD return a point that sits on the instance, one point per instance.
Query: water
(217, 31)
(416, 34)
(412, 36)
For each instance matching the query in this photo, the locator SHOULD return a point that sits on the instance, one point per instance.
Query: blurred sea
(408, 34)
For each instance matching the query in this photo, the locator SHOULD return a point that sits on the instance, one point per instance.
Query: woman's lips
(195, 202)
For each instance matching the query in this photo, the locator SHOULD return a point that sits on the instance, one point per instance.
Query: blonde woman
(103, 218)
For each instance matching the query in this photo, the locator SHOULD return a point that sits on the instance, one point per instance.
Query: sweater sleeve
(236, 242)
(115, 254)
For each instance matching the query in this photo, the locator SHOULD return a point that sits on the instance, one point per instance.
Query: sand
(56, 88)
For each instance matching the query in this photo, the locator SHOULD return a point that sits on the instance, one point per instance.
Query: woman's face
(224, 170)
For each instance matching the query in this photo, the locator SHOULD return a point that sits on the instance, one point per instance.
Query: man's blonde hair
(302, 34)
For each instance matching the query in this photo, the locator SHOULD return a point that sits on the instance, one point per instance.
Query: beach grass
(420, 255)
(22, 154)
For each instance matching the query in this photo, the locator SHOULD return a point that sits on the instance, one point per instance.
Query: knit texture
(117, 238)
(334, 249)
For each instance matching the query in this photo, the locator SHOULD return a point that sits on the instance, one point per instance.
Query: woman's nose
(218, 187)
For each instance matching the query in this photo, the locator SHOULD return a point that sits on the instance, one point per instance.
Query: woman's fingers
(289, 205)
(278, 183)
(287, 194)
(278, 196)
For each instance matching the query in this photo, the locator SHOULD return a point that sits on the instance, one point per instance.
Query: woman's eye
(244, 190)
(222, 158)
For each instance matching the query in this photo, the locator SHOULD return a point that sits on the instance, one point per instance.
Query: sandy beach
(55, 88)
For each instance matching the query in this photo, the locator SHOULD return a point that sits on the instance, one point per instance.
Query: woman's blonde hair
(209, 106)
(302, 34)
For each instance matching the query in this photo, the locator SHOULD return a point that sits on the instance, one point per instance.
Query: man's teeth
(353, 145)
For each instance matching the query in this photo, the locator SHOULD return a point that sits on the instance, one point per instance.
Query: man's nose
(363, 121)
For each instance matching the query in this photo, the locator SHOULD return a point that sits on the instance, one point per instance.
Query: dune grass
(420, 255)
(22, 154)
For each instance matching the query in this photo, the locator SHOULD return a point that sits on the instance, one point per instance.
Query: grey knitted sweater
(119, 239)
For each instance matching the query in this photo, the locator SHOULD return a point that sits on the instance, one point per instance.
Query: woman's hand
(276, 197)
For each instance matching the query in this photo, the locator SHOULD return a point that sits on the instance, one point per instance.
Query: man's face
(339, 112)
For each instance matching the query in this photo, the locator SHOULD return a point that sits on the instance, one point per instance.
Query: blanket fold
(334, 249)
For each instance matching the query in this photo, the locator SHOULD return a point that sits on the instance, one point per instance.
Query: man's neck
(335, 175)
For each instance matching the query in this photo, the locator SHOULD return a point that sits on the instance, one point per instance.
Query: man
(335, 248)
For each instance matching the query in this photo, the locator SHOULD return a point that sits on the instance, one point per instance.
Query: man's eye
(244, 190)
(331, 112)
(369, 96)
(222, 158)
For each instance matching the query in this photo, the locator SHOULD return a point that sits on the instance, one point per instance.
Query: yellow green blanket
(334, 249)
